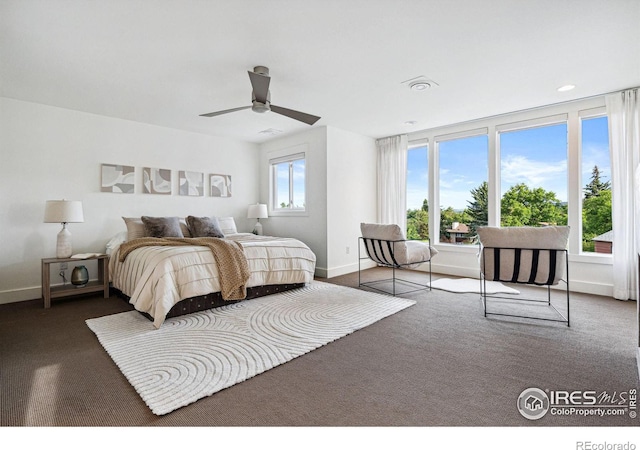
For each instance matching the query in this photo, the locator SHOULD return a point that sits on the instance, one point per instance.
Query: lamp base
(257, 228)
(63, 245)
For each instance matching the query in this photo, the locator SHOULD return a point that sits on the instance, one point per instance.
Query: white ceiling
(164, 62)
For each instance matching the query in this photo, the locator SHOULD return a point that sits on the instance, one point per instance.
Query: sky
(534, 156)
(299, 199)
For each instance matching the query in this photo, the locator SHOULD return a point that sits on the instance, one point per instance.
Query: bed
(172, 280)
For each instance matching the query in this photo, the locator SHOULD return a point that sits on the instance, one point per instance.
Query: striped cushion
(528, 255)
(386, 244)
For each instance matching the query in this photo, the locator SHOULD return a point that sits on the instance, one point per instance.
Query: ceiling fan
(261, 99)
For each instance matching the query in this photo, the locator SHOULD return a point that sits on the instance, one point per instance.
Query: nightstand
(50, 292)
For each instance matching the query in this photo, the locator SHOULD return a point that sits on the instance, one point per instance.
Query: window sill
(288, 213)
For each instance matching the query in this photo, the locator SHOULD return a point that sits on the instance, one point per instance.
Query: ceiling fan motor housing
(261, 70)
(260, 107)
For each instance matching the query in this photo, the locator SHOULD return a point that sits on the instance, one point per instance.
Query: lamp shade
(63, 211)
(257, 211)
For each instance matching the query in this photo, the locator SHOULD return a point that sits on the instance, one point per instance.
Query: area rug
(469, 285)
(197, 355)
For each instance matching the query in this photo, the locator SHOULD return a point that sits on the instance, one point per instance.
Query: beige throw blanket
(233, 268)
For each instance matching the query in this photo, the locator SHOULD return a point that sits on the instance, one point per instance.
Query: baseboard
(349, 268)
(24, 294)
(20, 295)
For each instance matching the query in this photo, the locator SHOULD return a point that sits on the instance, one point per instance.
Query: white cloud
(519, 169)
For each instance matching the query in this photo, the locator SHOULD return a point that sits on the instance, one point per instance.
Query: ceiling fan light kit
(261, 99)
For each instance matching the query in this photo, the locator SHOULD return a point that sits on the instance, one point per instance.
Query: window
(596, 185)
(288, 184)
(417, 193)
(533, 174)
(463, 186)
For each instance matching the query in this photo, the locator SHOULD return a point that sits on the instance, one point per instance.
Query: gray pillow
(162, 226)
(204, 227)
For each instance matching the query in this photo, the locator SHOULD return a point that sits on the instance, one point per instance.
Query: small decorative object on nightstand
(80, 276)
(257, 211)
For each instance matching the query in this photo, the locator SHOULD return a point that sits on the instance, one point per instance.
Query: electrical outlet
(348, 250)
(64, 266)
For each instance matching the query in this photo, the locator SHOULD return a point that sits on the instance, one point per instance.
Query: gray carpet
(438, 363)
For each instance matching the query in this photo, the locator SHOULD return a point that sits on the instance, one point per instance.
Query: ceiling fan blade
(260, 85)
(297, 115)
(217, 113)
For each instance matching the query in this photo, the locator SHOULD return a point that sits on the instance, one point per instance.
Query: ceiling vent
(420, 83)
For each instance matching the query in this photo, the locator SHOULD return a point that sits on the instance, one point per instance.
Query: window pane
(417, 193)
(596, 193)
(463, 187)
(534, 176)
(282, 180)
(298, 184)
(289, 185)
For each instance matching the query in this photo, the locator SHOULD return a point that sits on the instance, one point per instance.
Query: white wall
(52, 153)
(351, 196)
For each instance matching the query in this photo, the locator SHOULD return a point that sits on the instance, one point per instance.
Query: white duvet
(156, 278)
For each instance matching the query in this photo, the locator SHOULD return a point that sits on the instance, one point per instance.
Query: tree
(595, 186)
(596, 210)
(478, 209)
(522, 206)
(418, 222)
(596, 217)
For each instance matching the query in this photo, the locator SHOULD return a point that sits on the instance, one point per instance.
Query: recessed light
(410, 123)
(566, 87)
(419, 86)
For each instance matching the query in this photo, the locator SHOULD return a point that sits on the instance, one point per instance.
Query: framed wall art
(220, 185)
(191, 183)
(117, 178)
(156, 181)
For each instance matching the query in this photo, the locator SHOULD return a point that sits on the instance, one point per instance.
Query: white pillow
(227, 225)
(115, 242)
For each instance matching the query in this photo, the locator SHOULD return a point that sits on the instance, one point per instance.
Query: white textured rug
(194, 356)
(469, 285)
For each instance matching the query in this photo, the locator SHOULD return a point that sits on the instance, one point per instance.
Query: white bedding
(156, 278)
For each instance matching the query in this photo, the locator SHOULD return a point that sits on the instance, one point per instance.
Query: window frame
(522, 125)
(289, 156)
(435, 175)
(590, 113)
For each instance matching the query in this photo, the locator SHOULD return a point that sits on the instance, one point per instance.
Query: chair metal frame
(376, 246)
(483, 286)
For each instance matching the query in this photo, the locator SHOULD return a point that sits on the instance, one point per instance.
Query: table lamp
(63, 211)
(257, 211)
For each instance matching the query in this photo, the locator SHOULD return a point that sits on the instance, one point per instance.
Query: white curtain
(624, 140)
(392, 180)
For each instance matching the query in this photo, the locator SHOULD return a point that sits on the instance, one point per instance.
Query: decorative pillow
(204, 227)
(135, 227)
(227, 225)
(162, 226)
